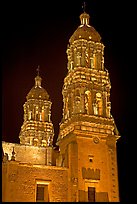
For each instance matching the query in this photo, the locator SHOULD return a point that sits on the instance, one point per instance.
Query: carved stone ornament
(96, 140)
(74, 180)
(89, 173)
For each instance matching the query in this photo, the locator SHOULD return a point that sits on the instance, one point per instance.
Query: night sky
(37, 34)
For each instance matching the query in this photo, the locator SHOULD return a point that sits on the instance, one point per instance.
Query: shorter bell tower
(37, 128)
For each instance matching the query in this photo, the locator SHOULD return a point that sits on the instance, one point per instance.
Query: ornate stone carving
(96, 140)
(75, 181)
(13, 155)
(89, 173)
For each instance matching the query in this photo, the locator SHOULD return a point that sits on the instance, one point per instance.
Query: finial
(38, 69)
(13, 155)
(38, 78)
(84, 6)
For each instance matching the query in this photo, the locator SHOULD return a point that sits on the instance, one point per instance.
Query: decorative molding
(89, 173)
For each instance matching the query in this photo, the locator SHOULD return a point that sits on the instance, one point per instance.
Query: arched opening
(98, 105)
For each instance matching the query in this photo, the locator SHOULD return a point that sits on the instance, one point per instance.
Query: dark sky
(37, 34)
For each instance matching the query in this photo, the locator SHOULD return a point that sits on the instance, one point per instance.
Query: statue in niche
(108, 109)
(86, 104)
(77, 101)
(87, 99)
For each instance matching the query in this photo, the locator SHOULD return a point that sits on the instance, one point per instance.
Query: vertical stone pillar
(112, 171)
(49, 156)
(82, 101)
(73, 172)
(83, 57)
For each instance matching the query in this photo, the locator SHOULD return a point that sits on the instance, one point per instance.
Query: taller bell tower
(88, 134)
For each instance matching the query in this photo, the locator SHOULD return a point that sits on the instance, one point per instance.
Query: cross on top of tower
(84, 6)
(38, 78)
(38, 69)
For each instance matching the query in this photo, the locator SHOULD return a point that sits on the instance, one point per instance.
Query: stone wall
(19, 181)
(25, 153)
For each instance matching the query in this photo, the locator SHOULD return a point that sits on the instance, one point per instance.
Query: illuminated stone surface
(37, 128)
(85, 166)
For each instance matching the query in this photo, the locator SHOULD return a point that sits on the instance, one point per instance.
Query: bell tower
(88, 134)
(37, 128)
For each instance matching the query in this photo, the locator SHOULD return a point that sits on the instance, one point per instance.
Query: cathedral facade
(84, 167)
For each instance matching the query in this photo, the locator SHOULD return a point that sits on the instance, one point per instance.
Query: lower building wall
(25, 153)
(19, 182)
(4, 179)
(99, 196)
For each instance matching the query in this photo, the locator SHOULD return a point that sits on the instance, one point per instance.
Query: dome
(85, 31)
(37, 92)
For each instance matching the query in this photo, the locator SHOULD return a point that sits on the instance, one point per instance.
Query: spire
(38, 79)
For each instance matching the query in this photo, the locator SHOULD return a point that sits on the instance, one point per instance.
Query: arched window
(77, 101)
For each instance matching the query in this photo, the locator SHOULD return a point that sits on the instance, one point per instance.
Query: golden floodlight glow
(82, 167)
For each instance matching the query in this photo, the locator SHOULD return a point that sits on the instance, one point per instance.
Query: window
(42, 190)
(42, 193)
(91, 194)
